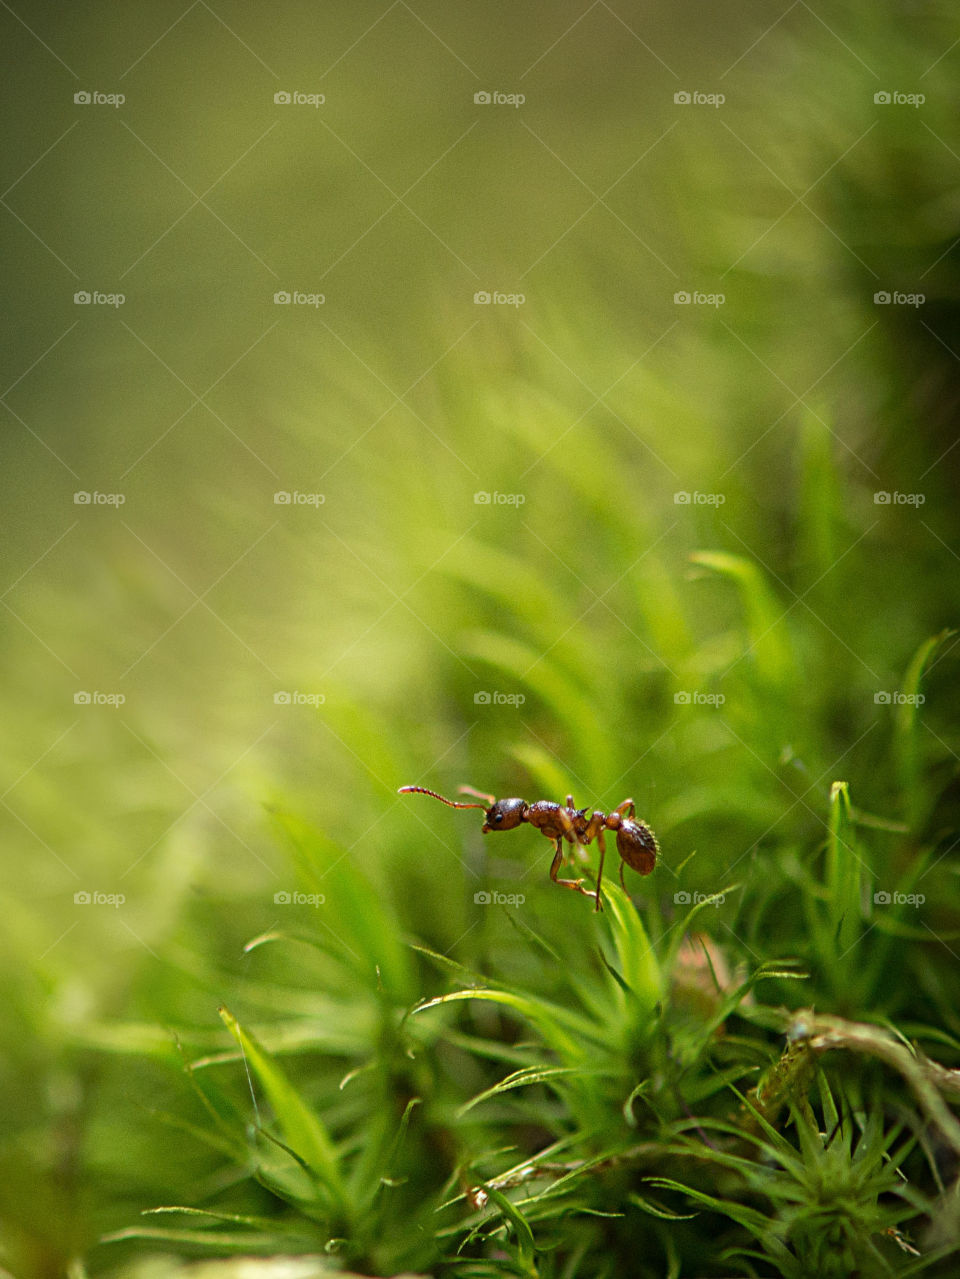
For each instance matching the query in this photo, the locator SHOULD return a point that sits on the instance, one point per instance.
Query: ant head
(504, 814)
(501, 814)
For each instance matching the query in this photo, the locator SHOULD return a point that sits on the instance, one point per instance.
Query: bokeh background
(583, 398)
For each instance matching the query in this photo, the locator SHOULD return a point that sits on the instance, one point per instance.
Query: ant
(636, 842)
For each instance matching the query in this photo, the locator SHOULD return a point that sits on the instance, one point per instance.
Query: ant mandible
(636, 842)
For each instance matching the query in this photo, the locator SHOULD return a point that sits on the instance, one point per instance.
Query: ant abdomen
(637, 845)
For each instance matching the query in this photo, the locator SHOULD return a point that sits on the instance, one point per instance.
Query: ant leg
(570, 834)
(622, 881)
(603, 852)
(628, 807)
(594, 827)
(575, 884)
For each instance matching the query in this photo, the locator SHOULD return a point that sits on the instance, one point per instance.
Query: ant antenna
(477, 794)
(422, 790)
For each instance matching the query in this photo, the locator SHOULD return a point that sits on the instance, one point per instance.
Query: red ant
(636, 842)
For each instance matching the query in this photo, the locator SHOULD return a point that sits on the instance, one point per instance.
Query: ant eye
(499, 817)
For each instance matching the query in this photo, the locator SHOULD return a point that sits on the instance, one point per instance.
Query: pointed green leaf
(299, 1123)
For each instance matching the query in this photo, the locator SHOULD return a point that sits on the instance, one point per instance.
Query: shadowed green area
(678, 525)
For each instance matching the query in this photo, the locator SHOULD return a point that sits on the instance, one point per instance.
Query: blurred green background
(314, 655)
